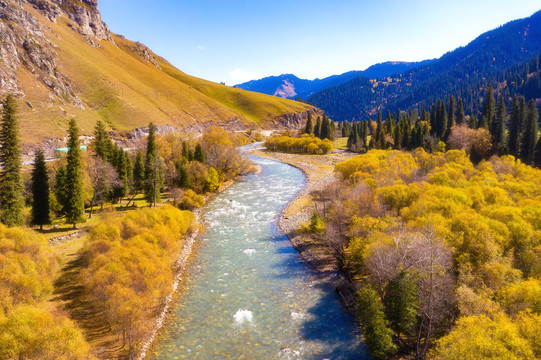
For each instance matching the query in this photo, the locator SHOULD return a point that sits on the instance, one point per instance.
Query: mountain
(61, 61)
(289, 86)
(459, 73)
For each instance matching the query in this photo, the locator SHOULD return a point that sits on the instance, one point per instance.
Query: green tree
(325, 130)
(488, 113)
(374, 325)
(402, 304)
(102, 144)
(498, 126)
(531, 133)
(74, 208)
(515, 124)
(317, 128)
(40, 191)
(450, 117)
(309, 128)
(460, 113)
(199, 155)
(153, 176)
(11, 185)
(60, 189)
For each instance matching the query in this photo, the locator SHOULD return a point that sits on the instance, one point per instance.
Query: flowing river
(248, 295)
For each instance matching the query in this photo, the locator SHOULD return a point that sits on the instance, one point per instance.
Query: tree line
(109, 173)
(445, 126)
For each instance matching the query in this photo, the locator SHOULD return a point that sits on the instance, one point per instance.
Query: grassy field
(119, 86)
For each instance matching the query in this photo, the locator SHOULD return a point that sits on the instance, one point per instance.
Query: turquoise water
(249, 296)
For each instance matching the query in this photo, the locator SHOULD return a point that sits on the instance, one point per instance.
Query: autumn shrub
(468, 237)
(305, 144)
(30, 328)
(129, 264)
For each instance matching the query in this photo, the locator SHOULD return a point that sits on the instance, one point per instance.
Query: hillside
(459, 73)
(61, 61)
(290, 86)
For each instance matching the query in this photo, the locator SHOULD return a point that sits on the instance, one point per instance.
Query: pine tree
(379, 133)
(40, 191)
(11, 185)
(460, 113)
(530, 137)
(60, 189)
(515, 124)
(524, 130)
(488, 114)
(199, 155)
(450, 117)
(309, 127)
(102, 144)
(74, 178)
(498, 126)
(537, 155)
(324, 132)
(153, 178)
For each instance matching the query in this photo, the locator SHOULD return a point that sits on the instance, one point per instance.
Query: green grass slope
(120, 86)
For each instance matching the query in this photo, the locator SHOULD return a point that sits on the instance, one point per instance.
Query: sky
(234, 41)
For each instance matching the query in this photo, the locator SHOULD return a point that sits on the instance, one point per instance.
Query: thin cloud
(202, 47)
(240, 76)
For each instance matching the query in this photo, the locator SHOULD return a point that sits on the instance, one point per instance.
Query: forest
(446, 253)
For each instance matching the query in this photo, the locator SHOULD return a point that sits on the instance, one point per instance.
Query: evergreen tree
(530, 137)
(11, 185)
(537, 155)
(498, 126)
(74, 178)
(138, 172)
(380, 135)
(40, 191)
(185, 150)
(515, 124)
(460, 113)
(325, 129)
(309, 127)
(183, 177)
(120, 163)
(450, 117)
(199, 155)
(60, 189)
(102, 144)
(402, 304)
(317, 128)
(524, 130)
(153, 178)
(488, 115)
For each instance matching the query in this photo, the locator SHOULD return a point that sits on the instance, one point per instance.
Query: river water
(249, 296)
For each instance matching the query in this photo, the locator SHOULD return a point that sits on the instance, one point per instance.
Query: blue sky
(239, 40)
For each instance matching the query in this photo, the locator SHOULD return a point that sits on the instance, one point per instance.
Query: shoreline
(181, 265)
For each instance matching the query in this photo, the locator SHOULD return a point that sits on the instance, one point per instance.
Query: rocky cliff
(61, 61)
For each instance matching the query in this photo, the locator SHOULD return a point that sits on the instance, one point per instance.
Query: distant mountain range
(464, 72)
(291, 87)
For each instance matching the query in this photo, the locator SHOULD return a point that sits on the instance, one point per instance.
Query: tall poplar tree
(11, 185)
(40, 191)
(153, 178)
(74, 180)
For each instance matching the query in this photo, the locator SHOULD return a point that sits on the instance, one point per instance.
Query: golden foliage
(305, 144)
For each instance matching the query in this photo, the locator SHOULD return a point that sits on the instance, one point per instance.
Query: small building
(61, 152)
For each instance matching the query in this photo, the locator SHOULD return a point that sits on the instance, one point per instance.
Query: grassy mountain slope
(117, 82)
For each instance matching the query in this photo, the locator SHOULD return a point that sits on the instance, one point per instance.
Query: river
(248, 294)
